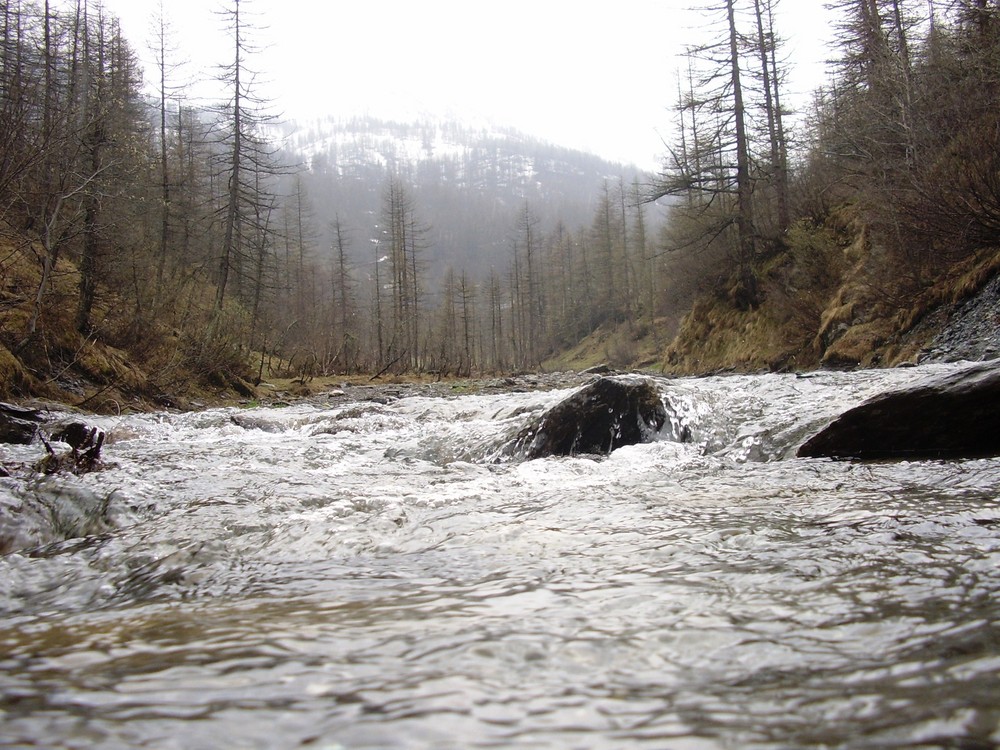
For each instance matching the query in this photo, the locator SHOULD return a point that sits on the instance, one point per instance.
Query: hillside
(468, 184)
(821, 309)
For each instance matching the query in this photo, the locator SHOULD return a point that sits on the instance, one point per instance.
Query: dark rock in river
(17, 424)
(598, 418)
(948, 416)
(78, 436)
(250, 422)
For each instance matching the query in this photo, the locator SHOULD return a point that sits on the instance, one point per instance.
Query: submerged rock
(948, 416)
(50, 510)
(598, 418)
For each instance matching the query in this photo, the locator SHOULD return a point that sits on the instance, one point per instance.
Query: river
(354, 574)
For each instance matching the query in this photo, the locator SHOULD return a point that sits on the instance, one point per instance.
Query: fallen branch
(382, 372)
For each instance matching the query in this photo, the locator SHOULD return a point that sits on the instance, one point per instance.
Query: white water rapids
(359, 575)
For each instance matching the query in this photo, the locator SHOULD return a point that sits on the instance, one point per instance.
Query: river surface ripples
(366, 575)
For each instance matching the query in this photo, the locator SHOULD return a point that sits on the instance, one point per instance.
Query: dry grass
(14, 380)
(56, 361)
(638, 346)
(715, 337)
(832, 299)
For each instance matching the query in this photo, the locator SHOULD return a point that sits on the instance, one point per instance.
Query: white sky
(597, 76)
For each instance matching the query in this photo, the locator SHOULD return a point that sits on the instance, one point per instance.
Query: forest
(150, 247)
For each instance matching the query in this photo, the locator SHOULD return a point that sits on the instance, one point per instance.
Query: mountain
(469, 184)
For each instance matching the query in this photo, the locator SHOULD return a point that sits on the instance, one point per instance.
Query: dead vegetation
(831, 299)
(116, 366)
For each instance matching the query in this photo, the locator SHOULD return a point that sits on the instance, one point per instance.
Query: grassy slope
(56, 361)
(115, 368)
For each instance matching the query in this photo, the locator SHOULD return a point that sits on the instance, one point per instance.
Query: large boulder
(597, 419)
(946, 416)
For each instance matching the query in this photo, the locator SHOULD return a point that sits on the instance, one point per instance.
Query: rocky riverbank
(970, 330)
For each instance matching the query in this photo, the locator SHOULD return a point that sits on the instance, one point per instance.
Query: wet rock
(49, 511)
(598, 418)
(948, 416)
(251, 422)
(78, 435)
(18, 424)
(971, 330)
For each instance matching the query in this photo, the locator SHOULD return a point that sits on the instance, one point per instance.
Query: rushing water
(362, 575)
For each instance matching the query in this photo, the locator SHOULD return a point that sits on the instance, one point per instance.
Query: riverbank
(957, 320)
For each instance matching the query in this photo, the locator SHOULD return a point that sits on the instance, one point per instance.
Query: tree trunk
(236, 156)
(748, 293)
(91, 242)
(766, 46)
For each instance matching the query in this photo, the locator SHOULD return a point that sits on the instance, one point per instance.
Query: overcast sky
(597, 76)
